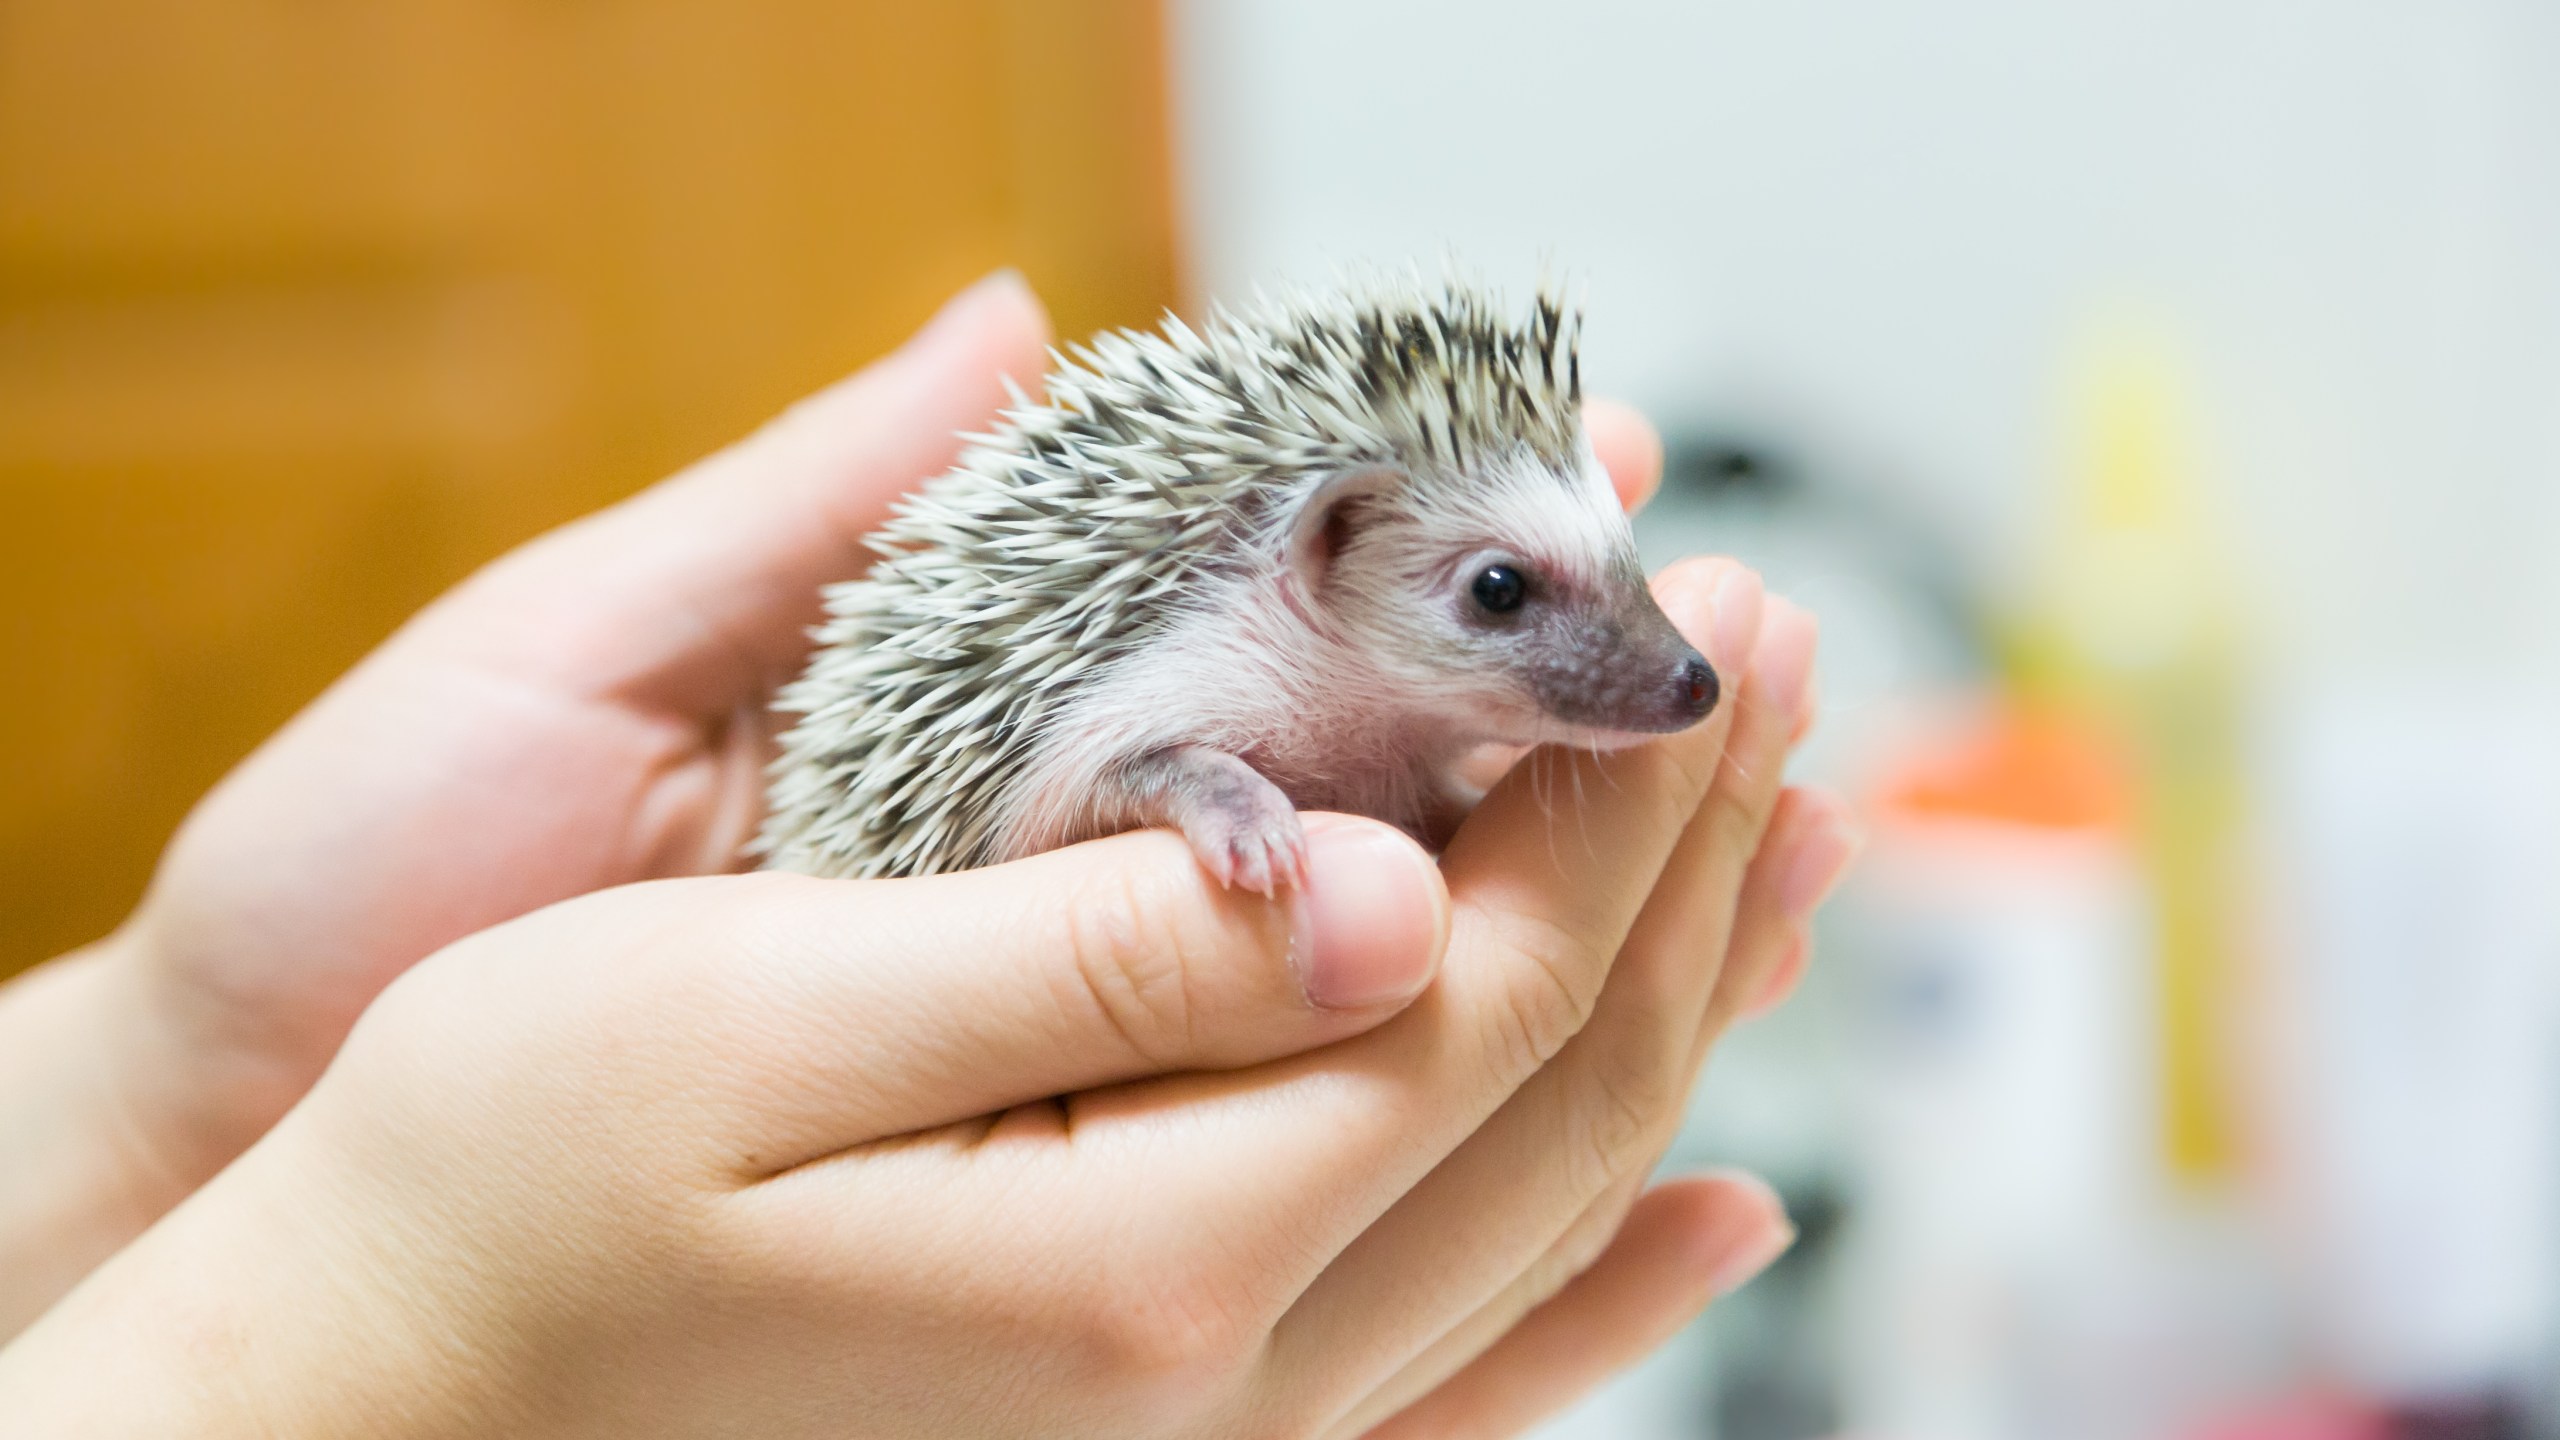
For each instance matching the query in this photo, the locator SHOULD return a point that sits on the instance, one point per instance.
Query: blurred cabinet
(306, 308)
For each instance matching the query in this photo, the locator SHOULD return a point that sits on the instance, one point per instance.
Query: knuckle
(1694, 760)
(1553, 986)
(1629, 1101)
(1171, 1331)
(1133, 952)
(1312, 1412)
(1735, 815)
(1577, 1250)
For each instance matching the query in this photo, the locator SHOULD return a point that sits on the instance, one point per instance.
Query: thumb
(883, 1007)
(699, 591)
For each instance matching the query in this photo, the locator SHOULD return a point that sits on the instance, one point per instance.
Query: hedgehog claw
(1257, 854)
(1255, 870)
(1292, 862)
(1260, 850)
(1240, 825)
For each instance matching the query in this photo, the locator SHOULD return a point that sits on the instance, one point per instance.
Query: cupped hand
(588, 711)
(1079, 1145)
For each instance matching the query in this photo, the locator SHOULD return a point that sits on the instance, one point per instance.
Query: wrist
(254, 1308)
(92, 1160)
(74, 1189)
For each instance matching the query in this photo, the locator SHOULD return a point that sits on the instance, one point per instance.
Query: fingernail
(1752, 1253)
(1635, 442)
(1751, 1236)
(1737, 611)
(960, 310)
(1783, 664)
(1782, 980)
(1821, 858)
(1368, 924)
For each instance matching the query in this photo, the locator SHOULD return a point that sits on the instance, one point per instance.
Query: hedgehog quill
(1311, 555)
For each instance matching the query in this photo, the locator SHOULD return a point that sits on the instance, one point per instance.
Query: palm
(586, 712)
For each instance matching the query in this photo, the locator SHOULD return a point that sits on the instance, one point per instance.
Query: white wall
(1880, 228)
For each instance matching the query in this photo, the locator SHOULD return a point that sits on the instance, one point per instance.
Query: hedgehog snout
(1694, 686)
(1662, 682)
(1676, 701)
(1632, 684)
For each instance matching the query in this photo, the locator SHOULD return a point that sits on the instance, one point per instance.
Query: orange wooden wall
(307, 309)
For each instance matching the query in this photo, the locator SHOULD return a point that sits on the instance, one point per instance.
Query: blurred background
(2160, 403)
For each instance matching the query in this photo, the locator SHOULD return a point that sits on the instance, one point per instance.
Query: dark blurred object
(1775, 1378)
(2478, 1420)
(307, 309)
(1712, 466)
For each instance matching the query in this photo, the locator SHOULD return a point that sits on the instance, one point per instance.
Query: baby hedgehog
(1313, 555)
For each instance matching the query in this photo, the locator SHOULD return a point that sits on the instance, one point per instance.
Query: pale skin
(1086, 1144)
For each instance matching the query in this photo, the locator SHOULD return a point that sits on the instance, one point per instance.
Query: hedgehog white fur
(1311, 555)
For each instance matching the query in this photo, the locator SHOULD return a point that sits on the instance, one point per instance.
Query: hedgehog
(1314, 554)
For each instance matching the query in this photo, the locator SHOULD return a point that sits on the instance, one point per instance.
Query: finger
(991, 988)
(1812, 841)
(1543, 890)
(1808, 844)
(1659, 977)
(1453, 1351)
(1608, 1103)
(1784, 977)
(1628, 447)
(697, 593)
(1684, 1243)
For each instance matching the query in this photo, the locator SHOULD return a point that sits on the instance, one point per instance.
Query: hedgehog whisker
(1547, 809)
(1600, 762)
(1582, 816)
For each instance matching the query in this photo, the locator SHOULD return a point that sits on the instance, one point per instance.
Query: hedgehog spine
(1079, 531)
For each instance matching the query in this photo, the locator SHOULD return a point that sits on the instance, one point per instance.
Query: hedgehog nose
(1694, 687)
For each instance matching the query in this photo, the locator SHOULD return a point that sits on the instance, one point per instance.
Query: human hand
(609, 675)
(694, 1157)
(588, 711)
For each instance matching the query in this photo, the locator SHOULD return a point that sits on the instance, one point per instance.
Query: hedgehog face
(1505, 606)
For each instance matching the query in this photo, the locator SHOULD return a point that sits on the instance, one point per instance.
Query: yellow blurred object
(2130, 620)
(306, 310)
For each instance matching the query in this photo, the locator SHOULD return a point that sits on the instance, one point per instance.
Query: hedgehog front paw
(1254, 842)
(1239, 823)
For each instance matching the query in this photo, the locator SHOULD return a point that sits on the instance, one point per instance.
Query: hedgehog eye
(1499, 589)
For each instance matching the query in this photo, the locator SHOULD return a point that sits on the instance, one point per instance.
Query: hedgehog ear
(1323, 525)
